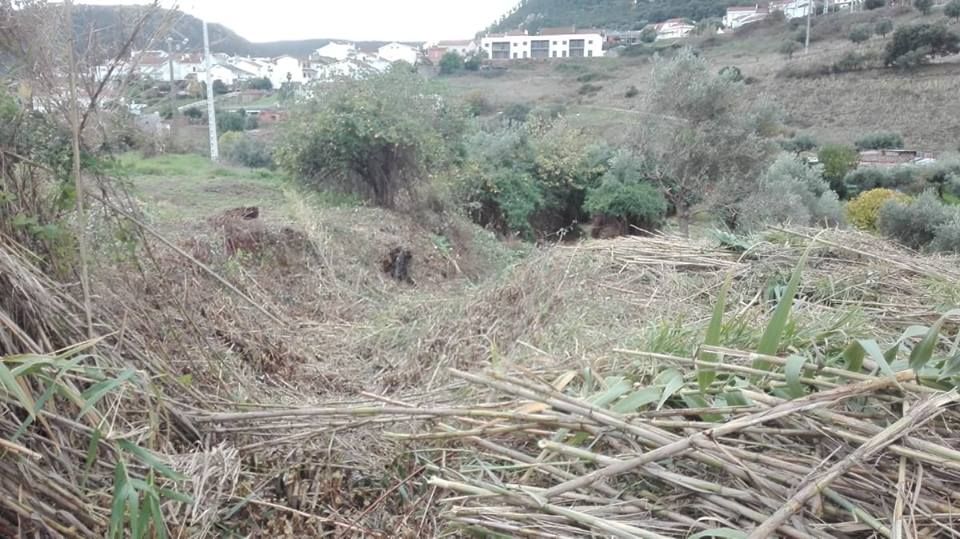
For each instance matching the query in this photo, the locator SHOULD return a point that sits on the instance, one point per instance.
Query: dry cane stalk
(916, 417)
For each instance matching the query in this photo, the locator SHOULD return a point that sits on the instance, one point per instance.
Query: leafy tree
(516, 113)
(648, 35)
(799, 143)
(790, 191)
(193, 113)
(705, 140)
(231, 120)
(788, 48)
(377, 136)
(879, 141)
(884, 27)
(219, 88)
(474, 61)
(875, 4)
(952, 10)
(864, 210)
(837, 161)
(860, 34)
(918, 43)
(451, 63)
(923, 6)
(625, 195)
(914, 223)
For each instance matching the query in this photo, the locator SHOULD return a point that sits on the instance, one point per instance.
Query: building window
(554, 54)
(540, 49)
(590, 42)
(564, 42)
(524, 43)
(564, 54)
(554, 42)
(524, 54)
(590, 54)
(577, 48)
(514, 56)
(500, 51)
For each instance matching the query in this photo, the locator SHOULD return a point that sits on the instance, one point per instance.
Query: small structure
(398, 52)
(337, 51)
(464, 47)
(738, 16)
(286, 69)
(892, 158)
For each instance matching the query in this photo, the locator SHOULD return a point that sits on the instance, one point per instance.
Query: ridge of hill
(111, 25)
(610, 14)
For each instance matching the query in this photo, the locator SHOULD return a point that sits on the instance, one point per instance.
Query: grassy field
(921, 104)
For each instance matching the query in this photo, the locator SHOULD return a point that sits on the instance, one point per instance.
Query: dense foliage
(916, 223)
(624, 194)
(863, 211)
(242, 149)
(799, 143)
(952, 10)
(837, 161)
(790, 191)
(377, 137)
(883, 27)
(919, 43)
(879, 141)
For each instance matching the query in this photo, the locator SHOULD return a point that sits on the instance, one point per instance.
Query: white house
(738, 16)
(257, 67)
(286, 69)
(549, 43)
(673, 29)
(337, 51)
(222, 73)
(792, 9)
(398, 52)
(463, 47)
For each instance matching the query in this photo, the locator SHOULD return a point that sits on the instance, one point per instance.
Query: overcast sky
(401, 20)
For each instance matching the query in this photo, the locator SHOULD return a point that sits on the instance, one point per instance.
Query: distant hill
(609, 14)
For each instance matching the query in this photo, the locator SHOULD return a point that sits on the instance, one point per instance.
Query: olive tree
(704, 140)
(376, 136)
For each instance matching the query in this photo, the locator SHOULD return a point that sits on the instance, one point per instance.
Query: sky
(384, 20)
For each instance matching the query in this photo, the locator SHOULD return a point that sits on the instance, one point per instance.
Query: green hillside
(612, 14)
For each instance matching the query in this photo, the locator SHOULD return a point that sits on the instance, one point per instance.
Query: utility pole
(806, 46)
(211, 108)
(173, 92)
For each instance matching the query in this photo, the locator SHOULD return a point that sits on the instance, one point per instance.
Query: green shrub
(228, 120)
(517, 113)
(918, 43)
(241, 149)
(884, 27)
(874, 4)
(952, 10)
(589, 89)
(450, 63)
(790, 191)
(623, 194)
(789, 48)
(632, 92)
(799, 143)
(853, 61)
(914, 223)
(477, 104)
(837, 161)
(592, 76)
(375, 137)
(860, 34)
(947, 236)
(863, 211)
(261, 83)
(193, 113)
(879, 141)
(923, 6)
(732, 72)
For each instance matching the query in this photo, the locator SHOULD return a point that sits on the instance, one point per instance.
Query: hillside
(610, 14)
(111, 24)
(836, 108)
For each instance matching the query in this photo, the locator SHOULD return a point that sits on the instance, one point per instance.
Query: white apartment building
(548, 43)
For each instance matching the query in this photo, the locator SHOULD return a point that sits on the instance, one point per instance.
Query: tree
(451, 63)
(879, 141)
(837, 161)
(474, 61)
(952, 10)
(918, 43)
(875, 4)
(377, 137)
(648, 35)
(788, 48)
(704, 141)
(923, 6)
(193, 113)
(884, 27)
(219, 87)
(860, 34)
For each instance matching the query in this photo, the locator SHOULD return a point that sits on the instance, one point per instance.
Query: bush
(219, 88)
(947, 236)
(853, 61)
(589, 89)
(788, 48)
(477, 104)
(261, 83)
(952, 10)
(874, 4)
(624, 195)
(632, 92)
(241, 149)
(517, 113)
(648, 35)
(918, 43)
(474, 61)
(790, 191)
(837, 161)
(923, 6)
(732, 72)
(879, 141)
(860, 34)
(228, 120)
(914, 223)
(193, 113)
(884, 27)
(799, 143)
(863, 211)
(376, 137)
(450, 63)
